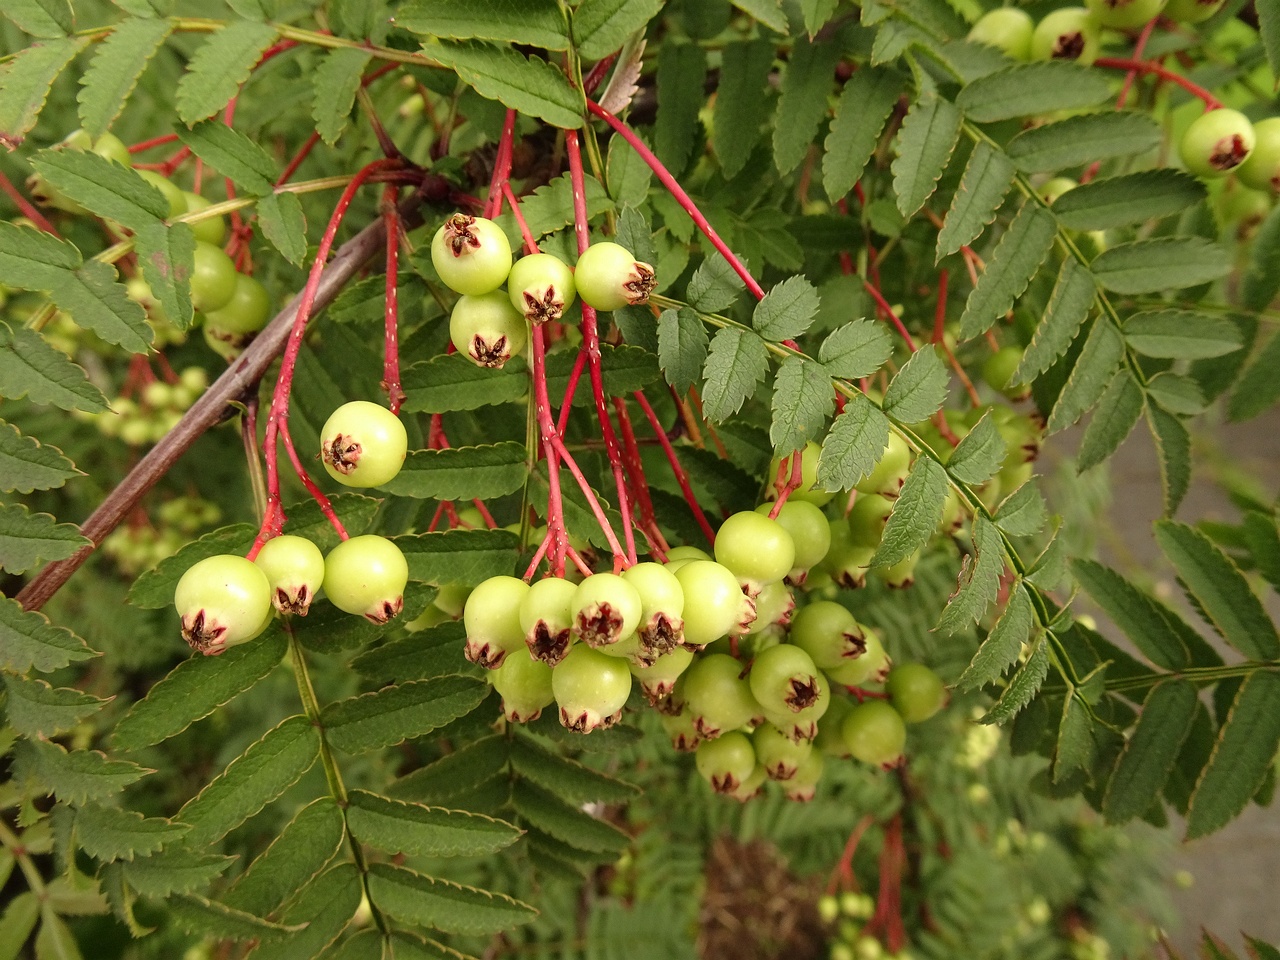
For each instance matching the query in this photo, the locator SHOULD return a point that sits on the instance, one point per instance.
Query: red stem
(1164, 73)
(795, 474)
(278, 419)
(153, 142)
(639, 485)
(591, 345)
(689, 207)
(676, 468)
(557, 538)
(391, 359)
(883, 304)
(26, 206)
(1132, 75)
(530, 244)
(501, 167)
(298, 157)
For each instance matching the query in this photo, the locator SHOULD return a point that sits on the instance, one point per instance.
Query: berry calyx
(541, 287)
(590, 689)
(875, 734)
(608, 277)
(726, 763)
(803, 784)
(487, 329)
(295, 569)
(661, 626)
(366, 575)
(363, 444)
(679, 726)
(870, 668)
(491, 617)
(828, 633)
(524, 685)
(780, 755)
(802, 724)
(223, 600)
(1217, 142)
(784, 678)
(658, 679)
(605, 608)
(546, 618)
(915, 691)
(471, 254)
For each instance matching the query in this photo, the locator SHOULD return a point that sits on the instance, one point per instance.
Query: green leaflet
(681, 69)
(569, 779)
(423, 655)
(1168, 263)
(854, 446)
(325, 906)
(397, 826)
(1220, 591)
(1102, 353)
(1262, 278)
(744, 80)
(456, 774)
(1023, 687)
(918, 389)
(42, 18)
(25, 85)
(1145, 623)
(1002, 645)
(75, 776)
(1075, 749)
(337, 80)
(986, 179)
(173, 870)
(1025, 89)
(566, 822)
(395, 714)
(860, 115)
(17, 922)
(109, 833)
(166, 253)
(602, 26)
(1258, 387)
(979, 581)
(460, 556)
(29, 539)
(232, 154)
(768, 12)
(299, 852)
(195, 688)
(1244, 750)
(539, 23)
(802, 401)
(1018, 255)
(37, 709)
(915, 514)
(550, 207)
(980, 453)
(1173, 444)
(803, 104)
(856, 349)
(283, 224)
(1081, 140)
(1023, 512)
(28, 641)
(628, 177)
(925, 144)
(682, 347)
(251, 781)
(736, 362)
(1151, 751)
(31, 259)
(1113, 420)
(114, 72)
(714, 285)
(442, 905)
(1130, 198)
(200, 916)
(1069, 305)
(786, 310)
(530, 85)
(95, 301)
(219, 67)
(462, 473)
(1181, 334)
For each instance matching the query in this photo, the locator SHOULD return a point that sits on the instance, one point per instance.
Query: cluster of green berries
(138, 547)
(226, 599)
(753, 683)
(848, 914)
(230, 306)
(155, 411)
(1075, 33)
(489, 324)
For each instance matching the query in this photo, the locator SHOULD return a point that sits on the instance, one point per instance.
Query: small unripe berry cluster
(158, 408)
(848, 914)
(138, 547)
(489, 325)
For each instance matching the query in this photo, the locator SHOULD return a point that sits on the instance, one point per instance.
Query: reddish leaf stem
(1164, 73)
(591, 346)
(677, 191)
(883, 304)
(28, 209)
(793, 467)
(557, 537)
(530, 244)
(502, 168)
(391, 359)
(681, 477)
(303, 152)
(153, 142)
(1132, 75)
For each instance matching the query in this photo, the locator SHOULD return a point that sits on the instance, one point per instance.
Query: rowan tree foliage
(661, 561)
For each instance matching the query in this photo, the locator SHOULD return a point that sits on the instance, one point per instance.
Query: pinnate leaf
(714, 285)
(1111, 202)
(220, 66)
(337, 80)
(284, 225)
(114, 72)
(802, 401)
(1181, 334)
(325, 907)
(864, 106)
(744, 79)
(255, 778)
(195, 688)
(400, 827)
(568, 778)
(918, 389)
(31, 259)
(95, 301)
(73, 776)
(29, 539)
(1080, 140)
(232, 154)
(37, 709)
(979, 581)
(395, 714)
(27, 465)
(42, 18)
(986, 179)
(468, 557)
(787, 310)
(1173, 444)
(1032, 88)
(856, 349)
(1017, 257)
(736, 362)
(109, 833)
(602, 26)
(1167, 263)
(915, 514)
(805, 85)
(25, 85)
(200, 916)
(980, 453)
(1102, 353)
(441, 905)
(1022, 688)
(1117, 414)
(539, 23)
(298, 853)
(28, 641)
(854, 446)
(173, 870)
(925, 143)
(462, 473)
(1023, 512)
(1244, 751)
(568, 823)
(527, 84)
(1151, 751)
(1069, 304)
(1003, 644)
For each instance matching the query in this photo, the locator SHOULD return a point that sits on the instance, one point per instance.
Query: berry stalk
(681, 477)
(1164, 73)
